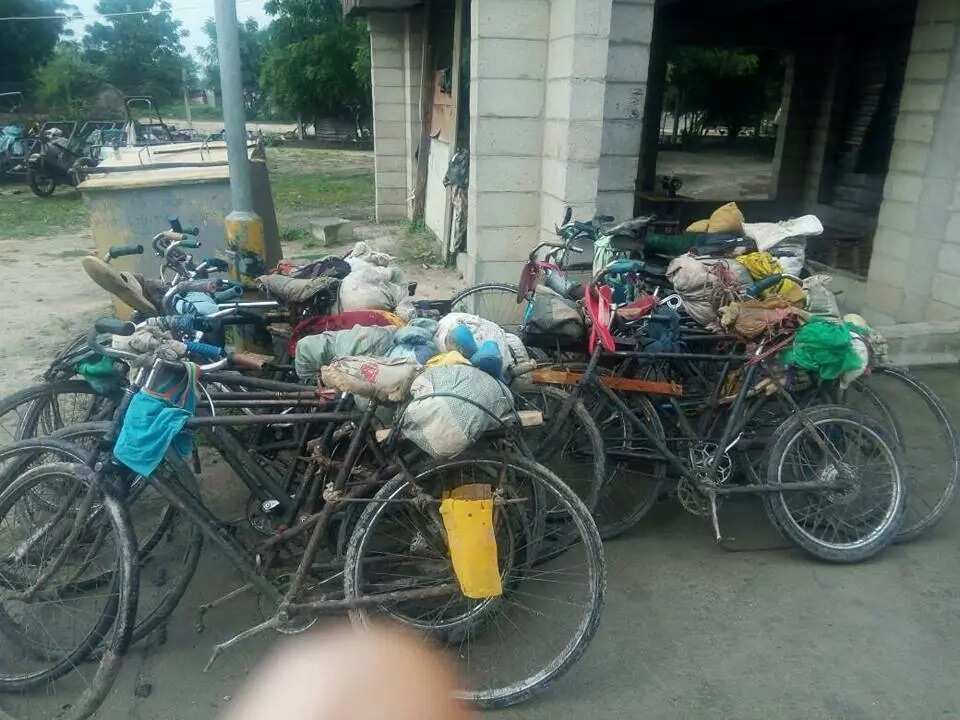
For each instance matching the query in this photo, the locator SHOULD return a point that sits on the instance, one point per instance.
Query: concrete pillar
(915, 267)
(628, 59)
(388, 42)
(508, 57)
(412, 61)
(573, 112)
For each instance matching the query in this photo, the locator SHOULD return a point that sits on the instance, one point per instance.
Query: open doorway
(718, 125)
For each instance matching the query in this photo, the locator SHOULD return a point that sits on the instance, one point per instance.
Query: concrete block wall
(628, 60)
(508, 61)
(576, 77)
(391, 105)
(915, 267)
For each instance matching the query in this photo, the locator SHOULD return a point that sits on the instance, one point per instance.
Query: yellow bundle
(761, 265)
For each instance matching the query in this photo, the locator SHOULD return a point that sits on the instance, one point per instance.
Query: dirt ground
(717, 174)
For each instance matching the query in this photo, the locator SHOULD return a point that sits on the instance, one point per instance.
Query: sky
(191, 13)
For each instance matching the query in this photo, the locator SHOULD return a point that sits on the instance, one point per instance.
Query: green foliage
(253, 50)
(296, 234)
(67, 84)
(715, 87)
(318, 63)
(27, 44)
(418, 244)
(139, 54)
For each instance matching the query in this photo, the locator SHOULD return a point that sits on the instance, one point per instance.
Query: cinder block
(884, 298)
(580, 17)
(898, 216)
(616, 203)
(387, 213)
(928, 66)
(621, 137)
(937, 10)
(393, 179)
(387, 59)
(916, 127)
(387, 76)
(389, 146)
(508, 174)
(578, 56)
(388, 129)
(949, 261)
(893, 243)
(507, 209)
(332, 231)
(389, 163)
(953, 228)
(510, 19)
(909, 156)
(389, 94)
(906, 188)
(888, 270)
(576, 140)
(506, 243)
(946, 289)
(624, 101)
(569, 181)
(382, 40)
(391, 196)
(628, 62)
(510, 58)
(575, 99)
(618, 173)
(932, 37)
(937, 310)
(507, 98)
(495, 271)
(917, 97)
(551, 212)
(506, 136)
(631, 23)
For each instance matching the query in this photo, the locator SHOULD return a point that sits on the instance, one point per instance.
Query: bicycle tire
(507, 313)
(590, 544)
(21, 413)
(932, 470)
(120, 617)
(186, 565)
(786, 519)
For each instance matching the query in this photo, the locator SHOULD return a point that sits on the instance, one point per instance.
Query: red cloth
(599, 303)
(342, 321)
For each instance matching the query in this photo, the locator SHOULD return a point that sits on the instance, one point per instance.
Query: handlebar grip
(113, 326)
(116, 251)
(205, 351)
(175, 224)
(202, 286)
(576, 248)
(189, 243)
(213, 263)
(192, 231)
(232, 292)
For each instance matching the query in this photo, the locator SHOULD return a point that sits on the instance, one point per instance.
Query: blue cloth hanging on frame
(154, 422)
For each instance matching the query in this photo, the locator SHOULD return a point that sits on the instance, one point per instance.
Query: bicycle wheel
(61, 594)
(169, 547)
(43, 409)
(862, 510)
(509, 647)
(927, 443)
(496, 302)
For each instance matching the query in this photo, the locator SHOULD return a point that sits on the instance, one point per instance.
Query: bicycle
(527, 495)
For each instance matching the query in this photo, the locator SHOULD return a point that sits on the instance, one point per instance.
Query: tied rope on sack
(762, 265)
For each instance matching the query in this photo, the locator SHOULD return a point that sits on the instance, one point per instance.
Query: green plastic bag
(823, 347)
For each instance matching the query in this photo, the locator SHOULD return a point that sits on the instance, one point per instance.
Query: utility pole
(244, 228)
(186, 97)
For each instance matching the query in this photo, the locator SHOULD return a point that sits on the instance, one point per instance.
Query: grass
(26, 215)
(418, 244)
(306, 182)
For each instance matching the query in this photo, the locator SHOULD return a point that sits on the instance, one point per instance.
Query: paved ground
(712, 174)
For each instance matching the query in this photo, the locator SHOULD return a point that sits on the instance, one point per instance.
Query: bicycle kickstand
(715, 516)
(218, 650)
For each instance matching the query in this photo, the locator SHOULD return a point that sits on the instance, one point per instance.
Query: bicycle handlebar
(112, 326)
(117, 251)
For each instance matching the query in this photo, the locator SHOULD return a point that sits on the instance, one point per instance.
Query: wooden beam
(426, 116)
(614, 382)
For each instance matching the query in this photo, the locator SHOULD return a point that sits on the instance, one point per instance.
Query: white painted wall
(436, 193)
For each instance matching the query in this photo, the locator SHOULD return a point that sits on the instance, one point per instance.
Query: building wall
(915, 268)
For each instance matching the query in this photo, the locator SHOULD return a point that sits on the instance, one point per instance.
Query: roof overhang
(355, 8)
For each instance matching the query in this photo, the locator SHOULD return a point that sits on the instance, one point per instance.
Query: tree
(67, 83)
(318, 64)
(716, 87)
(140, 54)
(253, 49)
(27, 44)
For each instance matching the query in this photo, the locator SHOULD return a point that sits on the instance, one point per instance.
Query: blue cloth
(154, 422)
(462, 340)
(488, 358)
(195, 303)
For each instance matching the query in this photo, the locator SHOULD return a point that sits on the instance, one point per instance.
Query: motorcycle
(57, 162)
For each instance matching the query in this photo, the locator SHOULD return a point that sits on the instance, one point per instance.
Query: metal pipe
(231, 86)
(272, 419)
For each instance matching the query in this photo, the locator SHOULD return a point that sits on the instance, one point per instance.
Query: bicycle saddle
(632, 227)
